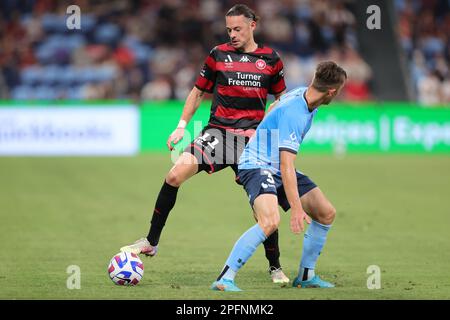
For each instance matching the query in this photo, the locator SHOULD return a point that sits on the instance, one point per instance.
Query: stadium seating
(129, 47)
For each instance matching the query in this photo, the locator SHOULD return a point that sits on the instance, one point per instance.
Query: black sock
(165, 202)
(272, 250)
(305, 274)
(225, 269)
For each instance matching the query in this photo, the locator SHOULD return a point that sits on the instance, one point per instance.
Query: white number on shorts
(204, 139)
(269, 177)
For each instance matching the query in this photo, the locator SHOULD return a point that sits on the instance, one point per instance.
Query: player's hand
(297, 216)
(175, 137)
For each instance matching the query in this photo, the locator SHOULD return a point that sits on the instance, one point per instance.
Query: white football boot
(278, 275)
(141, 246)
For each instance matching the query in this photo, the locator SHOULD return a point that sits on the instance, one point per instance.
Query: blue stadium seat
(44, 93)
(50, 75)
(85, 75)
(74, 93)
(22, 92)
(30, 75)
(105, 74)
(88, 22)
(54, 23)
(74, 41)
(45, 53)
(107, 33)
(141, 51)
(67, 76)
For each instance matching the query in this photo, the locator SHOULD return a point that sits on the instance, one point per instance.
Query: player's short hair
(242, 10)
(328, 76)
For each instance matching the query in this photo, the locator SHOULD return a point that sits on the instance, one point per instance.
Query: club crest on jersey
(260, 64)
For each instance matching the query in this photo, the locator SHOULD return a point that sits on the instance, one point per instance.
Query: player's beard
(327, 101)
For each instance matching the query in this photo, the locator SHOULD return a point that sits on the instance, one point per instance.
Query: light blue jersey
(283, 129)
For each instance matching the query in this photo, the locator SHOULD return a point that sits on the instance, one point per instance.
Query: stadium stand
(153, 49)
(424, 31)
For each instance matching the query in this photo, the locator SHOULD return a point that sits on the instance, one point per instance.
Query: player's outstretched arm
(289, 178)
(191, 105)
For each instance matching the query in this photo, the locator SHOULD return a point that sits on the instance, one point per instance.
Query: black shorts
(216, 149)
(263, 181)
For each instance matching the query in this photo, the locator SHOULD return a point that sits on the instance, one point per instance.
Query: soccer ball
(126, 269)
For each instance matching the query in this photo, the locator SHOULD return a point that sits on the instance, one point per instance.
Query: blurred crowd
(154, 49)
(424, 30)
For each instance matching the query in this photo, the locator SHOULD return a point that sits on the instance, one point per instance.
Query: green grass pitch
(392, 211)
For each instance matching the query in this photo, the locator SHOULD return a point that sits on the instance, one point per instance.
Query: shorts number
(269, 177)
(211, 143)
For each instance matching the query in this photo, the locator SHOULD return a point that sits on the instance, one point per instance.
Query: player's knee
(269, 228)
(328, 215)
(269, 224)
(174, 179)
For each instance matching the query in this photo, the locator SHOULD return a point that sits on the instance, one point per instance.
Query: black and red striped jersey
(240, 82)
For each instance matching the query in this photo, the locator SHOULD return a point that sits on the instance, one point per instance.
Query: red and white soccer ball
(126, 269)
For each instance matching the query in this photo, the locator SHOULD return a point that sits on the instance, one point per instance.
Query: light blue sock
(313, 242)
(242, 251)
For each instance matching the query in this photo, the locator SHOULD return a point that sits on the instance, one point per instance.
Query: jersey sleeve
(290, 132)
(277, 84)
(207, 78)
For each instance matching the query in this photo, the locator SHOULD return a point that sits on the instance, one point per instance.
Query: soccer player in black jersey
(240, 74)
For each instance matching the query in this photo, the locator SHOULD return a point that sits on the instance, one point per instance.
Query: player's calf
(266, 211)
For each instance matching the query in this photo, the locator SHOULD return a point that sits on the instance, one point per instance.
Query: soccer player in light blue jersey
(268, 174)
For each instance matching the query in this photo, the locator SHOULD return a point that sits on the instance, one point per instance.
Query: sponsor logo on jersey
(260, 64)
(293, 136)
(246, 80)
